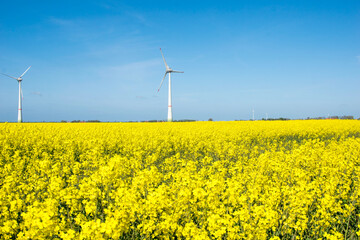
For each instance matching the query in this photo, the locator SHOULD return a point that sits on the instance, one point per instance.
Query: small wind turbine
(19, 79)
(168, 71)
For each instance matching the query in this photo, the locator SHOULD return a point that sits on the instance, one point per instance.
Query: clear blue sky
(101, 59)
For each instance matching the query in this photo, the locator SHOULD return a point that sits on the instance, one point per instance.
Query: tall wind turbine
(168, 71)
(19, 79)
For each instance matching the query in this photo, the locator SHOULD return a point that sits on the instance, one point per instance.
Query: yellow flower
(201, 180)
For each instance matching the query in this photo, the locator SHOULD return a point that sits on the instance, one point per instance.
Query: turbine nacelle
(19, 79)
(168, 70)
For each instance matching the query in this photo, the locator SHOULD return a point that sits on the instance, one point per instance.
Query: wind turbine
(168, 71)
(19, 79)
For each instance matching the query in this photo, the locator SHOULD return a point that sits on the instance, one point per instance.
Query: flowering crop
(202, 180)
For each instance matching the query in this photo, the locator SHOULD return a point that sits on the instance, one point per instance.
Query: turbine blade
(177, 72)
(164, 58)
(9, 76)
(162, 82)
(25, 71)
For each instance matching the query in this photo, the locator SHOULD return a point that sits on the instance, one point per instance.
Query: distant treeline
(97, 121)
(276, 119)
(80, 121)
(181, 120)
(210, 119)
(332, 117)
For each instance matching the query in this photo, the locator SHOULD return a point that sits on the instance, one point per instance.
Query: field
(201, 180)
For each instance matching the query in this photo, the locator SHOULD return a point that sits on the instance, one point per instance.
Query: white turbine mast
(19, 79)
(168, 71)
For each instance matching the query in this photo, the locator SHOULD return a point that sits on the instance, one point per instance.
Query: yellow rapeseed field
(201, 180)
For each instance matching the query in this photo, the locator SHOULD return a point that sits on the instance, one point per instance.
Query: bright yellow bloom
(201, 180)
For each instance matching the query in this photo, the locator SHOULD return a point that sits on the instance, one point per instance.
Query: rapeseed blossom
(202, 180)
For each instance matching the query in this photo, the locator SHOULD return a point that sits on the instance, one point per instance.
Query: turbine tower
(19, 79)
(168, 71)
